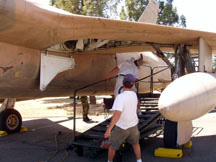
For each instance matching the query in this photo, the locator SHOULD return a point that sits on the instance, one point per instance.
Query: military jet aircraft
(49, 52)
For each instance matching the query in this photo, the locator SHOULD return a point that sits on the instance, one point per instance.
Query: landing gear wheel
(10, 121)
(170, 134)
(79, 150)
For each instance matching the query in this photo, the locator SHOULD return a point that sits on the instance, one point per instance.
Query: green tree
(131, 9)
(101, 8)
(168, 14)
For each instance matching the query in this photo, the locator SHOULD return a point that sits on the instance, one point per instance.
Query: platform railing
(153, 82)
(95, 83)
(152, 76)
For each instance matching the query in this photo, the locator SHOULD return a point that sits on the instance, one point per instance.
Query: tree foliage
(101, 8)
(130, 10)
(168, 14)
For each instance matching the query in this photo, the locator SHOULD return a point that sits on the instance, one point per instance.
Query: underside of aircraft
(49, 52)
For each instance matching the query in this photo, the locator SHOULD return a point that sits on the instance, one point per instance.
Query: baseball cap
(129, 78)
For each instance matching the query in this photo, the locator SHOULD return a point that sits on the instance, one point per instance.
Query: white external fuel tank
(189, 97)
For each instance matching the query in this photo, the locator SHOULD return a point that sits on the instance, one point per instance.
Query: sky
(200, 14)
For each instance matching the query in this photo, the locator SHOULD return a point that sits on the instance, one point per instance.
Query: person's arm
(114, 120)
(114, 70)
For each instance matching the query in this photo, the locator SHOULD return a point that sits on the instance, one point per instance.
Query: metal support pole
(188, 60)
(74, 117)
(162, 56)
(151, 77)
(8, 103)
(151, 84)
(179, 62)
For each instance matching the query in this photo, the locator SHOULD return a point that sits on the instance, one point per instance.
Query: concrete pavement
(39, 143)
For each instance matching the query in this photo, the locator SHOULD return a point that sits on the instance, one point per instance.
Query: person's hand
(107, 77)
(107, 133)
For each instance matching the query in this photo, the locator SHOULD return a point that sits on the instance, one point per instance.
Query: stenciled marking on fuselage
(5, 69)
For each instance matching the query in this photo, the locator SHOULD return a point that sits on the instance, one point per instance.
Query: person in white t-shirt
(125, 120)
(126, 67)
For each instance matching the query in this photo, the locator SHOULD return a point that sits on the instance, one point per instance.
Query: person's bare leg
(137, 151)
(111, 154)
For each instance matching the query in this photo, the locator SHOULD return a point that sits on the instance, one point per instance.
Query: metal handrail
(152, 72)
(75, 92)
(159, 81)
(74, 97)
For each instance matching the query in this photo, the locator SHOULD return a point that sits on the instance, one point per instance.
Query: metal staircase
(149, 123)
(151, 120)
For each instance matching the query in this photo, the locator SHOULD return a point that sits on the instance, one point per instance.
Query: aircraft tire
(10, 121)
(79, 150)
(170, 134)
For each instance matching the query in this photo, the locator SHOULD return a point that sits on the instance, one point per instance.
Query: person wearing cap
(125, 120)
(126, 67)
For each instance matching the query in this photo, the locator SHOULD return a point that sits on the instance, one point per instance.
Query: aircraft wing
(29, 24)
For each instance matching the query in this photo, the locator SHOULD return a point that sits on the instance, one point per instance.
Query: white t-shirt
(128, 67)
(126, 102)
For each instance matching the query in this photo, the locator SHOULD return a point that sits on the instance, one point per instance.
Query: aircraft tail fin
(150, 13)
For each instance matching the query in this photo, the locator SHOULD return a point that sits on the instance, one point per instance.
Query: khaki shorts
(118, 136)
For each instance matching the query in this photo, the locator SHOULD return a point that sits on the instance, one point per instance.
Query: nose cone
(188, 97)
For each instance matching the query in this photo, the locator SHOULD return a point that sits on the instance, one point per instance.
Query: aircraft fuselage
(20, 73)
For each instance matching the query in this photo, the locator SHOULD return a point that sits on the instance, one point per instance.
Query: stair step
(155, 102)
(149, 98)
(149, 109)
(102, 129)
(144, 106)
(93, 134)
(148, 104)
(149, 95)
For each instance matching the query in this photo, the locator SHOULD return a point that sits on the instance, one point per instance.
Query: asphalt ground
(48, 138)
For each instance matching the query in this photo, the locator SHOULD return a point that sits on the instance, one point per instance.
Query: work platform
(150, 122)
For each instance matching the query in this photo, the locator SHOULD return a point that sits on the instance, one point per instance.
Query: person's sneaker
(86, 119)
